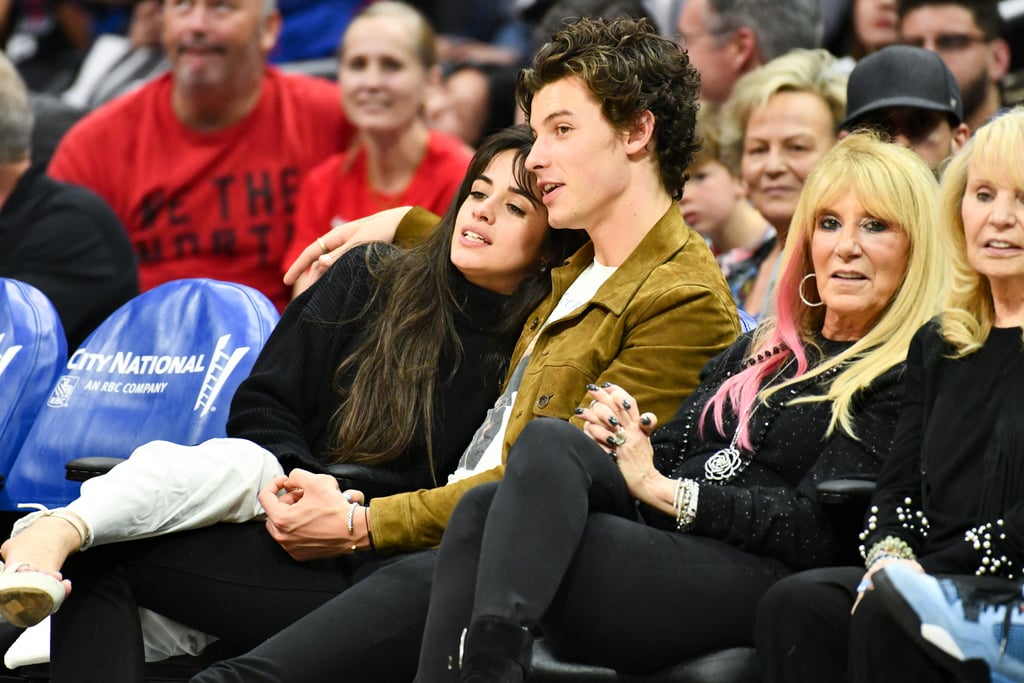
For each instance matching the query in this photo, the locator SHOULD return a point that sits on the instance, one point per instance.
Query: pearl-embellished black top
(931, 488)
(770, 507)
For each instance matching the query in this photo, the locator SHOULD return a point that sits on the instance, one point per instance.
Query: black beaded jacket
(770, 508)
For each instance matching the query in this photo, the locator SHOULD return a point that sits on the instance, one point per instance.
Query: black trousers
(557, 543)
(805, 634)
(371, 632)
(232, 581)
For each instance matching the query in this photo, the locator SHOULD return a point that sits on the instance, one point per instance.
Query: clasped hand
(307, 515)
(613, 416)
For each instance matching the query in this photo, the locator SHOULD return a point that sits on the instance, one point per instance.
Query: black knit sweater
(287, 402)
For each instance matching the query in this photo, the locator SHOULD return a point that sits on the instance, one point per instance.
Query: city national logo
(125, 372)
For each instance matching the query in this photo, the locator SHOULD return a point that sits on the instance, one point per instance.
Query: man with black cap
(911, 95)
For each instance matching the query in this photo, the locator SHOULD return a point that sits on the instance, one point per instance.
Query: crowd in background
(257, 141)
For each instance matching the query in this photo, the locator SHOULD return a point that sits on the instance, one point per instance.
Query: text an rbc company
(222, 361)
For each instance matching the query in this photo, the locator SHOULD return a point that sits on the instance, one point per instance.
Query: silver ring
(619, 437)
(592, 403)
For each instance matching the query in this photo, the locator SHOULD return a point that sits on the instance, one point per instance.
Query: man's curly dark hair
(629, 68)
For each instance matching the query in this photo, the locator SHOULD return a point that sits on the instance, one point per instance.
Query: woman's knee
(780, 601)
(548, 445)
(804, 613)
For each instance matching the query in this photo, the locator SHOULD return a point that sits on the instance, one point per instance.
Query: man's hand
(309, 516)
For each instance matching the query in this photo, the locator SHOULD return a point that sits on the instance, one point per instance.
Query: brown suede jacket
(650, 329)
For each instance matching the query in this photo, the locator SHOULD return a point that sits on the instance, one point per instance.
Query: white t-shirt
(484, 450)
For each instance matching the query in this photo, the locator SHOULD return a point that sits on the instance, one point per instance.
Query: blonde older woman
(778, 123)
(949, 498)
(726, 489)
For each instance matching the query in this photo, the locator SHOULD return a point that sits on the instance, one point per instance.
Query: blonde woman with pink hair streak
(635, 548)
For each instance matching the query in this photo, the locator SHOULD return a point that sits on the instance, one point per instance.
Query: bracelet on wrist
(369, 531)
(684, 502)
(351, 514)
(889, 548)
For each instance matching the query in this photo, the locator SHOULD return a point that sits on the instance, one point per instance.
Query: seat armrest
(374, 482)
(845, 491)
(81, 469)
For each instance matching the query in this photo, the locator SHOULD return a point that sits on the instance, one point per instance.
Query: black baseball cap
(901, 76)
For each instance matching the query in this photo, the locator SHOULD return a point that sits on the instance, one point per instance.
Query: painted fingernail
(591, 387)
(577, 411)
(626, 404)
(645, 420)
(613, 421)
(610, 441)
(606, 385)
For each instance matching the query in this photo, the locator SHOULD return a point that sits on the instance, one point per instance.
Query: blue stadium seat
(163, 366)
(33, 351)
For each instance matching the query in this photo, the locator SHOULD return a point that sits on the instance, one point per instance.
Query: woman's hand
(614, 422)
(865, 583)
(309, 516)
(321, 254)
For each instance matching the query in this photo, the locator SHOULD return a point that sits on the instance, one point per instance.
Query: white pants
(160, 489)
(165, 487)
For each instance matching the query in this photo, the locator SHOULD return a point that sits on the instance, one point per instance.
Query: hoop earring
(800, 292)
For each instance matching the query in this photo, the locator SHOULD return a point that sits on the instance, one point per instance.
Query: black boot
(496, 650)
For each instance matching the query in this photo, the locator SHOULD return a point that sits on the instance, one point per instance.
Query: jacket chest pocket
(559, 391)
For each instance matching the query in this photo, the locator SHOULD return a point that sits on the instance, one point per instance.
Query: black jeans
(371, 632)
(230, 580)
(805, 634)
(558, 543)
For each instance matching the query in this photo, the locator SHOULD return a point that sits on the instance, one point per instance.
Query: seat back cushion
(163, 366)
(33, 351)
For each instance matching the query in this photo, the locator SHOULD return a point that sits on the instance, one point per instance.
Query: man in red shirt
(202, 165)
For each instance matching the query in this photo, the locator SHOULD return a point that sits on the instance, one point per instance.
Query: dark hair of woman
(391, 395)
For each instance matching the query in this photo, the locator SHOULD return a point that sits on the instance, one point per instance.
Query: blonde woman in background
(387, 70)
(778, 123)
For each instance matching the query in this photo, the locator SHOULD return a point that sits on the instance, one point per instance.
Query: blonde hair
(799, 70)
(709, 132)
(424, 39)
(894, 185)
(995, 150)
